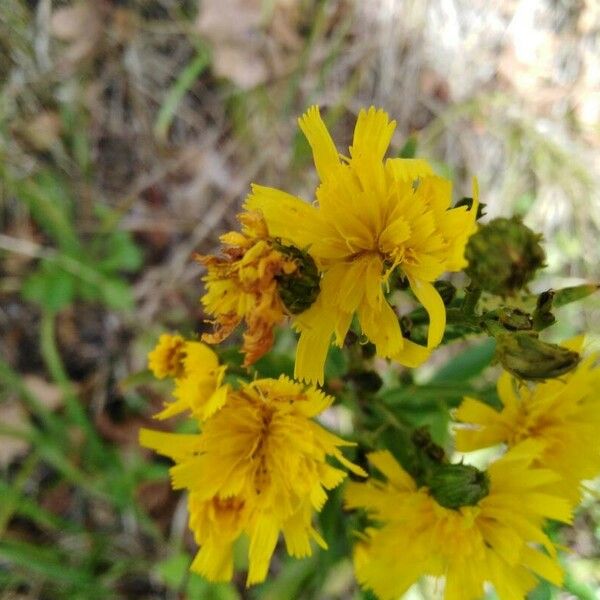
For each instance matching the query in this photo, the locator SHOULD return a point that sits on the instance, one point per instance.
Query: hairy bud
(454, 486)
(298, 290)
(503, 256)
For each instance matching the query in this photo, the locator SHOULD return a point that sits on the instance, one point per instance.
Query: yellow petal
(506, 391)
(380, 324)
(262, 545)
(216, 401)
(372, 134)
(431, 300)
(475, 411)
(214, 561)
(287, 217)
(384, 462)
(173, 445)
(311, 352)
(296, 533)
(408, 169)
(324, 151)
(543, 565)
(411, 354)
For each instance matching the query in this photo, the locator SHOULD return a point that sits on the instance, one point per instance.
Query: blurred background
(130, 131)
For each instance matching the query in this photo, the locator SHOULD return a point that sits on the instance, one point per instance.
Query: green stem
(470, 300)
(11, 500)
(54, 364)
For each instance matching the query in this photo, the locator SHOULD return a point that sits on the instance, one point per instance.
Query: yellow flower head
(197, 373)
(242, 286)
(166, 360)
(372, 216)
(562, 415)
(498, 540)
(258, 467)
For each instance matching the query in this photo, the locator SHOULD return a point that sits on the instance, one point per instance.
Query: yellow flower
(499, 540)
(258, 467)
(166, 360)
(371, 217)
(198, 376)
(562, 415)
(242, 286)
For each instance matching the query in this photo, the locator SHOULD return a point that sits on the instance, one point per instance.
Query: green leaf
(184, 82)
(49, 286)
(409, 150)
(275, 364)
(116, 294)
(336, 364)
(121, 253)
(174, 569)
(468, 364)
(44, 561)
(50, 203)
(199, 589)
(542, 592)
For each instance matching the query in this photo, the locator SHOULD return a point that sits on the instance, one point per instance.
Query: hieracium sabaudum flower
(562, 415)
(498, 538)
(197, 374)
(372, 217)
(259, 467)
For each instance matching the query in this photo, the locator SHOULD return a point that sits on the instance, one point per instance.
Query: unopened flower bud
(299, 289)
(503, 256)
(514, 319)
(542, 315)
(459, 485)
(527, 357)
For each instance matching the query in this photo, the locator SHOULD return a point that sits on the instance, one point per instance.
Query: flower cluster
(373, 217)
(259, 465)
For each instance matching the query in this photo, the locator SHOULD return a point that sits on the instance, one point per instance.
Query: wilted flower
(254, 281)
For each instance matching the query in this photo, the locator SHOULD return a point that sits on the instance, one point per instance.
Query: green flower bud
(503, 256)
(542, 315)
(299, 289)
(514, 319)
(454, 486)
(525, 356)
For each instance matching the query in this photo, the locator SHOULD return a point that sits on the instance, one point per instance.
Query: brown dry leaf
(233, 28)
(81, 26)
(14, 415)
(241, 35)
(49, 394)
